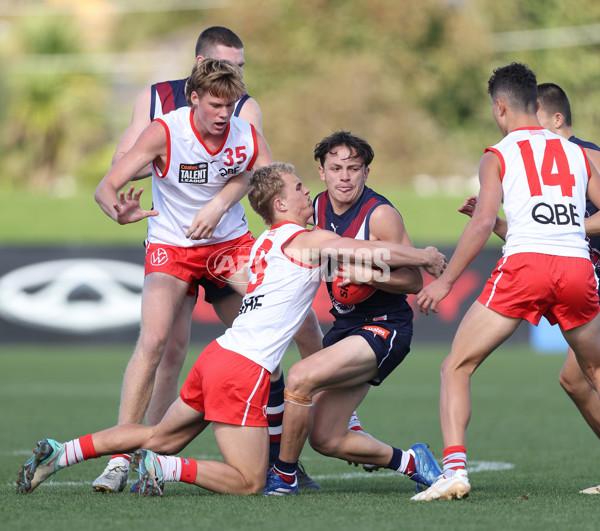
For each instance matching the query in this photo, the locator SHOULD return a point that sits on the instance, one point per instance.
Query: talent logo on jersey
(193, 173)
(377, 330)
(159, 257)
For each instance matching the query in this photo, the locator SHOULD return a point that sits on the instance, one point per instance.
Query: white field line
(474, 466)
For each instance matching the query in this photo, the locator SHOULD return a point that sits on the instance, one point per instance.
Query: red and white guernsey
(544, 180)
(279, 296)
(193, 175)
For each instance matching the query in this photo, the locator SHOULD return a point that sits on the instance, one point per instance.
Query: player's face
(344, 176)
(211, 113)
(296, 198)
(226, 53)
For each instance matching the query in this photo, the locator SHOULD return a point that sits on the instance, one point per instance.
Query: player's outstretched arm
(475, 234)
(121, 207)
(318, 245)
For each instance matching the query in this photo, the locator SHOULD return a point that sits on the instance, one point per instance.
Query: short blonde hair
(220, 78)
(266, 184)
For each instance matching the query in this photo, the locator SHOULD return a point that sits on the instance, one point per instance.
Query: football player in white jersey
(216, 42)
(554, 113)
(542, 179)
(229, 384)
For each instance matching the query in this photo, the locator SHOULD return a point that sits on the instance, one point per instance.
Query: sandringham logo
(159, 257)
(193, 173)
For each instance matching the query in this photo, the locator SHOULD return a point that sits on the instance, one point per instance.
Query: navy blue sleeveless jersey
(590, 209)
(354, 223)
(172, 96)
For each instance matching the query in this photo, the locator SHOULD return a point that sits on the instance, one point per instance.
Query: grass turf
(520, 416)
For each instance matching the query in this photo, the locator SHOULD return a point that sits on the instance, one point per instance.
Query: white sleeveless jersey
(544, 181)
(279, 296)
(194, 175)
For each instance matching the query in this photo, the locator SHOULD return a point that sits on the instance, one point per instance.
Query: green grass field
(529, 452)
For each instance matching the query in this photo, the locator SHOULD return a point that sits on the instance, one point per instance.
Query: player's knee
(298, 380)
(323, 443)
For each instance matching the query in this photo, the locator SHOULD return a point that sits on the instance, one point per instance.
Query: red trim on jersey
(322, 207)
(502, 164)
(527, 129)
(165, 94)
(168, 160)
(212, 153)
(253, 159)
(292, 259)
(352, 230)
(587, 162)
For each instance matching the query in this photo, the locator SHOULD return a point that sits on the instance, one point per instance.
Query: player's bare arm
(387, 224)
(251, 113)
(323, 243)
(124, 207)
(468, 207)
(140, 119)
(474, 236)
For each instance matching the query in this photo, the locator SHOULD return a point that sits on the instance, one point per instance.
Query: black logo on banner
(193, 173)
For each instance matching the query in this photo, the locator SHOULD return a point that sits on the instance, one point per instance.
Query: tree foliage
(409, 76)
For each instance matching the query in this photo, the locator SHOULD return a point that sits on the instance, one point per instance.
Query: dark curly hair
(517, 84)
(359, 148)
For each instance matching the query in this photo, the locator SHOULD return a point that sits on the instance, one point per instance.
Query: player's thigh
(227, 308)
(480, 332)
(585, 342)
(180, 425)
(245, 448)
(162, 299)
(347, 363)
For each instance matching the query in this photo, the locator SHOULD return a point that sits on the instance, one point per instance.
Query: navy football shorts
(390, 340)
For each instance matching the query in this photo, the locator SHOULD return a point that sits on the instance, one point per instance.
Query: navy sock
(396, 460)
(275, 417)
(286, 471)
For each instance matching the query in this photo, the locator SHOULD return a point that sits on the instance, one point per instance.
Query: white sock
(171, 467)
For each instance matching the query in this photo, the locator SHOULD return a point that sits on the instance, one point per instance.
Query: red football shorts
(228, 387)
(215, 262)
(531, 285)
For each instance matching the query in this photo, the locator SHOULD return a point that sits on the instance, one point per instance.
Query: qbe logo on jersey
(193, 173)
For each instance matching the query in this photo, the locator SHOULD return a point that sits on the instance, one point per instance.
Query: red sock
(189, 469)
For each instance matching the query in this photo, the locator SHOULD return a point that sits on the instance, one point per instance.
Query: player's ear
(279, 204)
(322, 173)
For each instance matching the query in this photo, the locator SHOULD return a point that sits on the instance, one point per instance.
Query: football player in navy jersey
(368, 340)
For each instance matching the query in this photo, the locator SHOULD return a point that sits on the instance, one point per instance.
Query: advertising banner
(93, 294)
